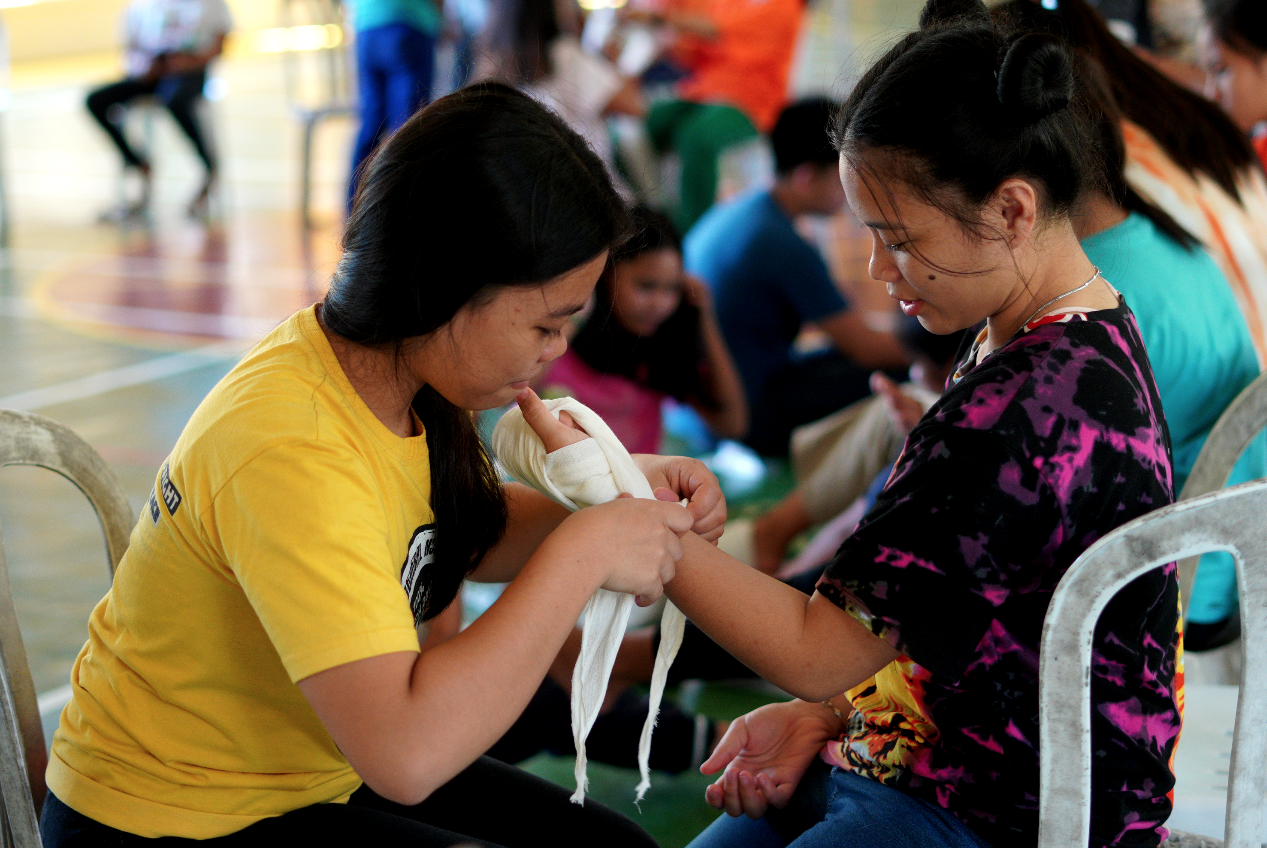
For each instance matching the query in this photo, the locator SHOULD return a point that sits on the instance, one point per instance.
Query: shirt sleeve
(962, 529)
(305, 533)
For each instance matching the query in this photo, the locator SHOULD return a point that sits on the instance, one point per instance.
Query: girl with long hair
(964, 152)
(652, 335)
(253, 675)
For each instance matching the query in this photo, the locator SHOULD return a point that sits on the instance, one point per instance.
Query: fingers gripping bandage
(590, 472)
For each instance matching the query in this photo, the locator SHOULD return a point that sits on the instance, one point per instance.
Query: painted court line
(129, 375)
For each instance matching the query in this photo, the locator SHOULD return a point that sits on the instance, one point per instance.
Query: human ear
(1014, 208)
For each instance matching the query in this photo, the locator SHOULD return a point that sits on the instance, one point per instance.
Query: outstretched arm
(729, 417)
(807, 646)
(408, 722)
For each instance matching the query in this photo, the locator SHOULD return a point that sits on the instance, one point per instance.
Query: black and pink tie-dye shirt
(1036, 452)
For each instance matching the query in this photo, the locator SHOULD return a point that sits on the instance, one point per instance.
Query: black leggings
(180, 93)
(489, 804)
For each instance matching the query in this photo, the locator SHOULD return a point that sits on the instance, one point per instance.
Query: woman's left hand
(554, 432)
(677, 477)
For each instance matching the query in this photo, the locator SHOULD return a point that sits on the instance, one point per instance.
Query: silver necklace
(1039, 310)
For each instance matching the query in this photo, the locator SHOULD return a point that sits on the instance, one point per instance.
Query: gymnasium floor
(119, 331)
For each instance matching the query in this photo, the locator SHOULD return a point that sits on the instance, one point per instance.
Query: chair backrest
(1229, 520)
(1231, 434)
(29, 439)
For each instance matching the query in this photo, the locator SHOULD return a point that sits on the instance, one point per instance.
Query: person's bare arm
(866, 347)
(409, 722)
(729, 418)
(777, 631)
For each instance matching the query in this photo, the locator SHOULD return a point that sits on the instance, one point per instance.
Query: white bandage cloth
(583, 474)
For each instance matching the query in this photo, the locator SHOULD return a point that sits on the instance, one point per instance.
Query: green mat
(673, 811)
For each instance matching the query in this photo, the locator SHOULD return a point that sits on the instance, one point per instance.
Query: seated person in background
(528, 44)
(1234, 53)
(651, 335)
(769, 282)
(1184, 155)
(738, 54)
(1198, 342)
(168, 45)
(836, 459)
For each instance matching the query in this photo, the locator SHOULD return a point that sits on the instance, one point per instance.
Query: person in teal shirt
(1202, 357)
(395, 60)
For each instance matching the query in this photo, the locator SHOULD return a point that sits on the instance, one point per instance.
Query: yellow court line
(48, 308)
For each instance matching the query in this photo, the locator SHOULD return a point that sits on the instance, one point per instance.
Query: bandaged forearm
(593, 471)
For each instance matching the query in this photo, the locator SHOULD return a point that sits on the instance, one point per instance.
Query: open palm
(765, 754)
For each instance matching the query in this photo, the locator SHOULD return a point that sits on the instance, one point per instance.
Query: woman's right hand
(632, 543)
(765, 754)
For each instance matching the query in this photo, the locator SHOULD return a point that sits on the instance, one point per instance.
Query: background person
(167, 47)
(1234, 53)
(395, 62)
(1186, 157)
(769, 282)
(737, 54)
(652, 335)
(837, 460)
(528, 43)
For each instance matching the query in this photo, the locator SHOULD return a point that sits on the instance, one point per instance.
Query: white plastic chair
(29, 439)
(1230, 520)
(1243, 419)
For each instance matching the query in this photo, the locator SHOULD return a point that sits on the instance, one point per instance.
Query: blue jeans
(394, 66)
(834, 808)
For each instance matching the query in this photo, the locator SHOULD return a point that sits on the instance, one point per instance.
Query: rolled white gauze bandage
(583, 474)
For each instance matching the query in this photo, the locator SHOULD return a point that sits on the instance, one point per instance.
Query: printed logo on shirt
(421, 554)
(153, 505)
(171, 497)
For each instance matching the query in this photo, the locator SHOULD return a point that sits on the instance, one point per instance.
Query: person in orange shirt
(739, 54)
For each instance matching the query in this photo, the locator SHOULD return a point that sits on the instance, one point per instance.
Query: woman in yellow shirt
(253, 675)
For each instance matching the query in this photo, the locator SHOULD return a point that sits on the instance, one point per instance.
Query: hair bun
(943, 11)
(1036, 78)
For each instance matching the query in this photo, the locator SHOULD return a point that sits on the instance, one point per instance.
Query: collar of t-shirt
(975, 355)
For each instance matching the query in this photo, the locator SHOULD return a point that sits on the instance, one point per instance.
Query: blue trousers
(394, 67)
(834, 808)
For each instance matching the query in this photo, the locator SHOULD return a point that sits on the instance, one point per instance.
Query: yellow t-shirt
(274, 547)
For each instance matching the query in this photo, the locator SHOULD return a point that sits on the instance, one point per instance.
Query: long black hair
(481, 190)
(1111, 148)
(958, 107)
(1240, 24)
(1193, 131)
(672, 359)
